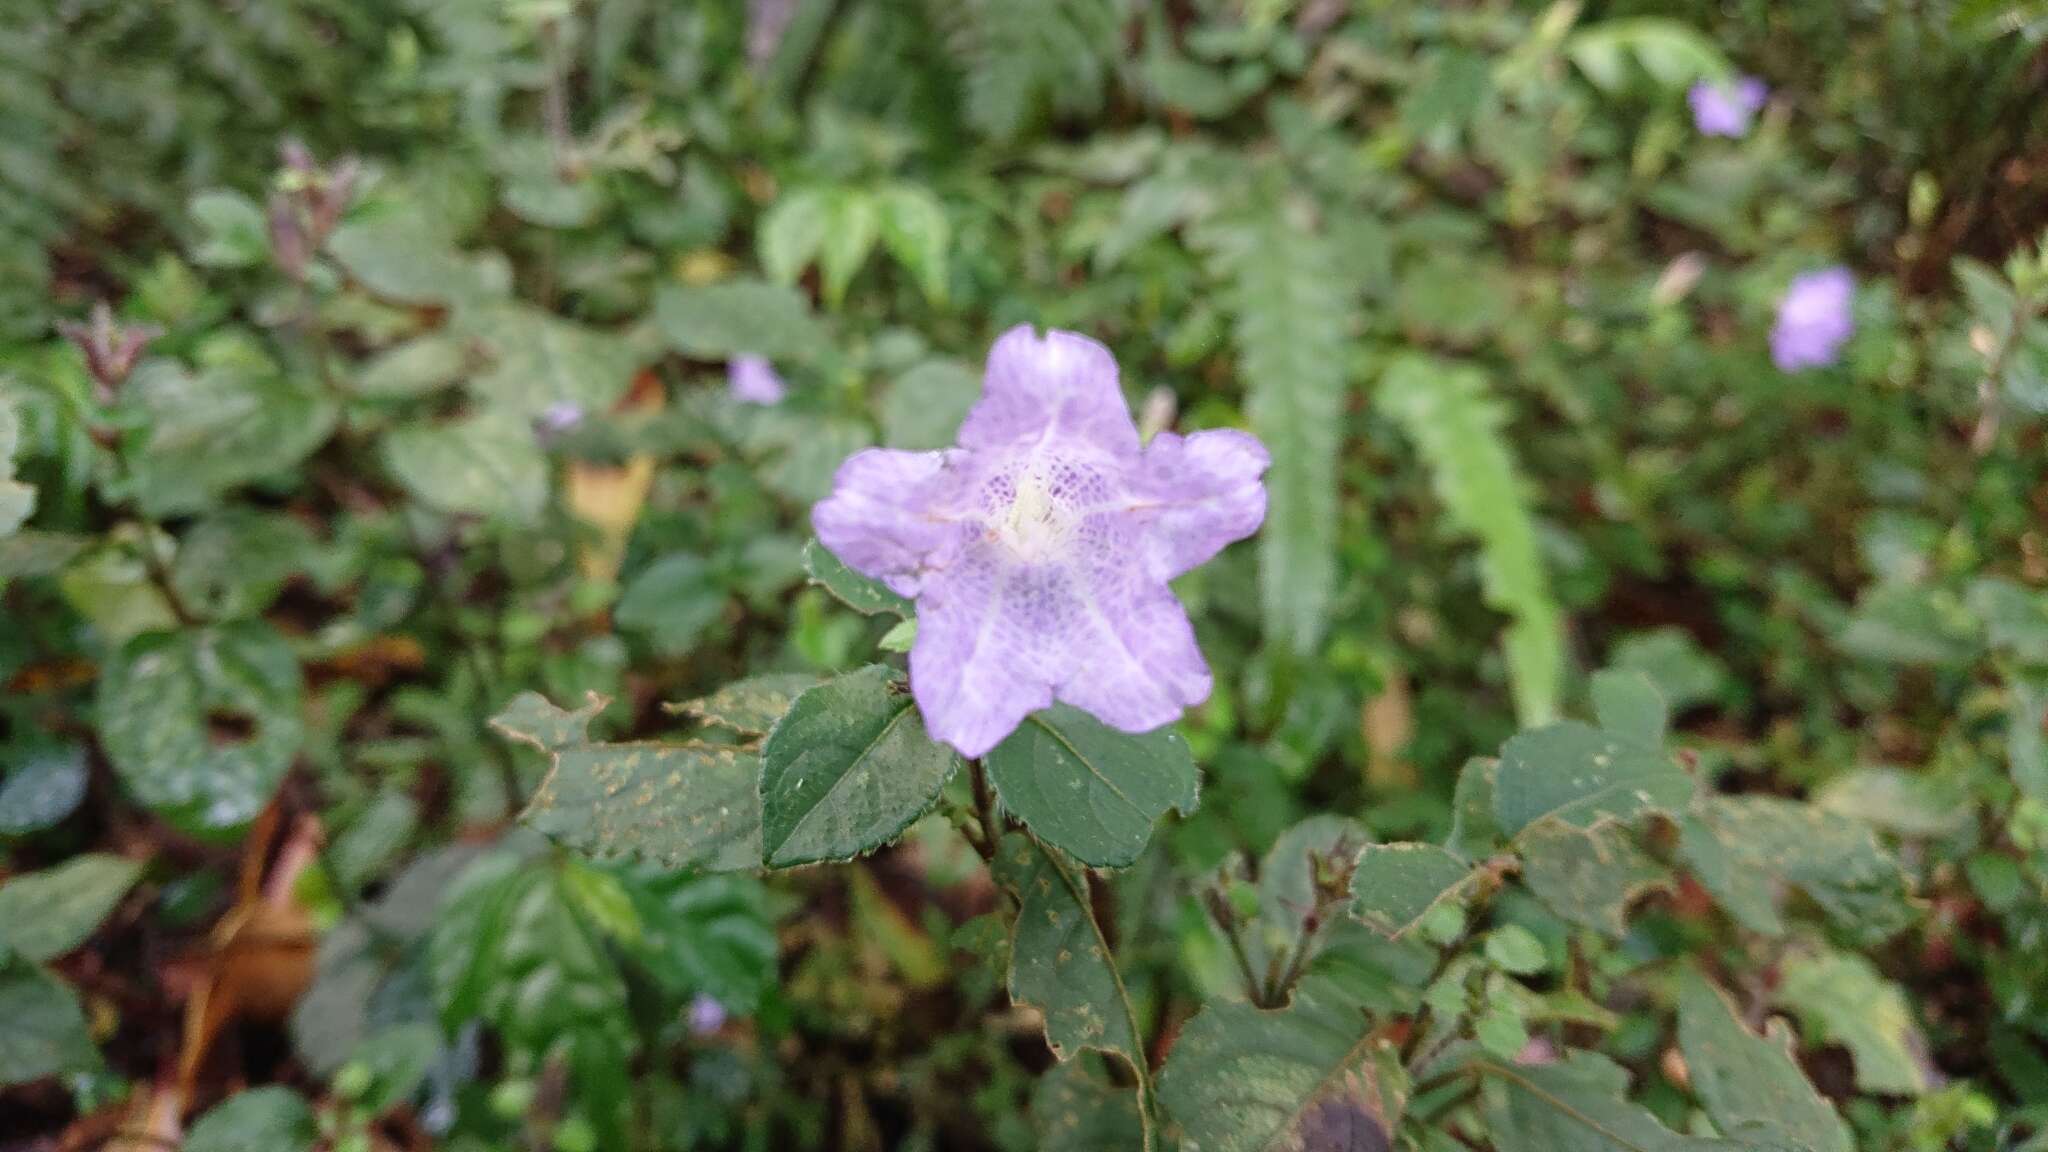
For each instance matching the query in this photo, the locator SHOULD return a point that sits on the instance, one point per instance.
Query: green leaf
(486, 464)
(924, 408)
(259, 1120)
(738, 318)
(1626, 703)
(235, 562)
(1060, 961)
(1475, 833)
(1581, 1105)
(1674, 54)
(671, 603)
(1582, 775)
(1683, 674)
(1396, 885)
(676, 805)
(46, 1032)
(864, 595)
(17, 500)
(1300, 1079)
(1291, 307)
(2015, 619)
(1075, 1109)
(43, 786)
(1907, 625)
(1448, 411)
(2026, 748)
(1024, 56)
(707, 934)
(172, 708)
(233, 423)
(539, 360)
(856, 223)
(1842, 998)
(1288, 879)
(1751, 1085)
(792, 231)
(418, 366)
(1589, 876)
(1089, 790)
(751, 706)
(847, 769)
(234, 232)
(45, 914)
(403, 258)
(1744, 848)
(917, 234)
(533, 719)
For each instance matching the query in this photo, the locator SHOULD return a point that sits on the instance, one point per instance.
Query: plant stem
(985, 810)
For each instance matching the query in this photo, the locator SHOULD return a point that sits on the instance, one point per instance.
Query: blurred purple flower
(1039, 550)
(752, 380)
(707, 1015)
(767, 20)
(1814, 320)
(1725, 109)
(560, 417)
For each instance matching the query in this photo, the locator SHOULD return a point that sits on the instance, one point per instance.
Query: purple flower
(707, 1015)
(1039, 550)
(1726, 110)
(752, 380)
(560, 417)
(1814, 320)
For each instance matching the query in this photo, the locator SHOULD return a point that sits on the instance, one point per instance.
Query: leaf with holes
(1395, 885)
(847, 769)
(172, 708)
(534, 720)
(1750, 1084)
(1059, 959)
(751, 706)
(1582, 775)
(1089, 790)
(1589, 876)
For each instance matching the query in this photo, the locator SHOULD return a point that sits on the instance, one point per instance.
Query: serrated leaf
(1580, 1105)
(1842, 998)
(846, 770)
(1581, 775)
(1089, 790)
(1588, 876)
(1075, 1109)
(1060, 961)
(1745, 849)
(534, 720)
(1291, 311)
(1458, 427)
(259, 1120)
(486, 464)
(738, 318)
(46, 1032)
(676, 805)
(1299, 1079)
(864, 595)
(43, 786)
(45, 914)
(751, 706)
(159, 700)
(1750, 1084)
(917, 234)
(1395, 885)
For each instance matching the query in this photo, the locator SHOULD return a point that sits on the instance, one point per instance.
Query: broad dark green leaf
(738, 318)
(1306, 1078)
(44, 784)
(1396, 885)
(866, 596)
(676, 805)
(259, 1120)
(46, 1032)
(401, 257)
(1750, 1084)
(46, 914)
(202, 725)
(751, 706)
(1076, 1109)
(237, 421)
(1589, 876)
(1089, 790)
(233, 564)
(707, 934)
(1475, 832)
(1060, 960)
(487, 464)
(1744, 849)
(1582, 775)
(1581, 1105)
(847, 769)
(538, 361)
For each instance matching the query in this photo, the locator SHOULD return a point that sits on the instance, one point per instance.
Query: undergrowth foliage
(1071, 574)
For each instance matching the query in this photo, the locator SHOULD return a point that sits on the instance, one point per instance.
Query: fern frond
(1022, 57)
(1291, 310)
(1456, 425)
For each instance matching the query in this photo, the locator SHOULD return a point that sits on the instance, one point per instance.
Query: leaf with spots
(534, 720)
(202, 725)
(1059, 959)
(1583, 775)
(1077, 1109)
(676, 805)
(1750, 1084)
(847, 769)
(1311, 1077)
(749, 707)
(865, 596)
(1747, 850)
(1589, 876)
(1089, 790)
(1581, 1105)
(1395, 885)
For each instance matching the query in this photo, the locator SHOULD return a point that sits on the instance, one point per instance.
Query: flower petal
(886, 516)
(976, 667)
(1198, 494)
(1136, 663)
(1063, 384)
